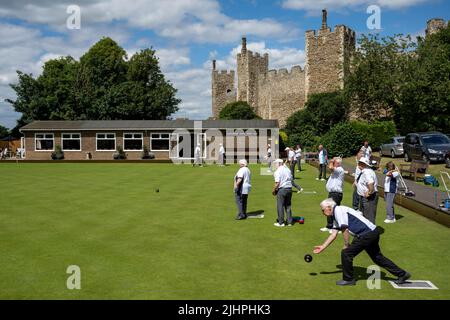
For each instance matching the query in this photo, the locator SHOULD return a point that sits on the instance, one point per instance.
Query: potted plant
(145, 154)
(58, 154)
(119, 154)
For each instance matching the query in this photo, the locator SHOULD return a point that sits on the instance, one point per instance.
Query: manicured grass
(183, 242)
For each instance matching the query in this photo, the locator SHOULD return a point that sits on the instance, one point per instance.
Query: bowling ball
(157, 190)
(308, 258)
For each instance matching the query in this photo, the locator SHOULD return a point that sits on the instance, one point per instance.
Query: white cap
(365, 161)
(268, 145)
(243, 162)
(287, 148)
(278, 161)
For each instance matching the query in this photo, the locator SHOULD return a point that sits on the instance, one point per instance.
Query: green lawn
(183, 242)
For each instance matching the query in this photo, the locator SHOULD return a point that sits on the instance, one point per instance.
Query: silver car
(393, 148)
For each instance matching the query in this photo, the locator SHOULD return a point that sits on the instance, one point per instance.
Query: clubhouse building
(173, 140)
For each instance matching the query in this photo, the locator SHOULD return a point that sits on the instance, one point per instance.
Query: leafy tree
(377, 71)
(3, 132)
(425, 93)
(102, 85)
(239, 110)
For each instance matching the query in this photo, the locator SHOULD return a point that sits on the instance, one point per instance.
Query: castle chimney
(214, 65)
(324, 19)
(244, 44)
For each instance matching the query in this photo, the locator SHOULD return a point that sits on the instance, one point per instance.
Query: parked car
(429, 146)
(393, 148)
(447, 160)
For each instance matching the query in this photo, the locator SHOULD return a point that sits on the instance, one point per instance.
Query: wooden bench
(416, 170)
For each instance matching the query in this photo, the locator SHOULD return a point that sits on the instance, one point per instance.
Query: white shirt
(221, 150)
(354, 220)
(367, 176)
(367, 151)
(387, 181)
(269, 153)
(245, 175)
(321, 157)
(298, 153)
(283, 176)
(336, 180)
(291, 155)
(357, 172)
(197, 152)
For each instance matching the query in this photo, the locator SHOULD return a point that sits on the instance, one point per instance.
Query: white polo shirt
(284, 176)
(298, 153)
(389, 184)
(367, 176)
(222, 150)
(322, 157)
(336, 180)
(354, 220)
(245, 175)
(291, 155)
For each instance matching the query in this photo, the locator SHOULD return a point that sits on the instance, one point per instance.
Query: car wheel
(392, 154)
(407, 158)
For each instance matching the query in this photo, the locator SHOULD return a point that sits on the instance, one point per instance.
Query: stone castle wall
(281, 93)
(223, 91)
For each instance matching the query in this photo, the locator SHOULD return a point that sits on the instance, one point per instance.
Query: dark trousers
(356, 203)
(322, 171)
(299, 164)
(370, 243)
(292, 166)
(369, 207)
(284, 197)
(337, 197)
(241, 202)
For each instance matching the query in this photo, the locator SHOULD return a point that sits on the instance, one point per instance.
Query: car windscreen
(435, 139)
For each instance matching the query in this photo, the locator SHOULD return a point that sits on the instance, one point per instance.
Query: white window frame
(151, 140)
(70, 133)
(133, 133)
(105, 133)
(43, 133)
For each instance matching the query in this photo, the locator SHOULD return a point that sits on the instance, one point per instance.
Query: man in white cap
(366, 186)
(291, 160)
(221, 154)
(197, 156)
(242, 186)
(283, 190)
(269, 158)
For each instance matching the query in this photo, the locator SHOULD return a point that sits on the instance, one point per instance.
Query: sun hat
(365, 161)
(243, 162)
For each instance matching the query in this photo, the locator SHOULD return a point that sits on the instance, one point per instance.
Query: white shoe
(317, 179)
(324, 229)
(322, 179)
(276, 224)
(389, 221)
(269, 170)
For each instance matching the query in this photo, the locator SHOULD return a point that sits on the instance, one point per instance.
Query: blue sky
(187, 34)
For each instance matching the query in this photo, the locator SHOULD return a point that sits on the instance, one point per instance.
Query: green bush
(342, 139)
(239, 110)
(376, 133)
(307, 139)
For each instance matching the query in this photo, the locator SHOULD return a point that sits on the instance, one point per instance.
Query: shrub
(119, 154)
(58, 154)
(342, 139)
(307, 139)
(376, 133)
(239, 110)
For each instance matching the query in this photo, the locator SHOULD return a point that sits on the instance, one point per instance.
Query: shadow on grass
(398, 217)
(255, 213)
(359, 273)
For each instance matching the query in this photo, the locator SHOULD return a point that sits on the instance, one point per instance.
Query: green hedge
(376, 133)
(342, 139)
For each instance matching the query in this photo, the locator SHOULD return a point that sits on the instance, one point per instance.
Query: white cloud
(315, 6)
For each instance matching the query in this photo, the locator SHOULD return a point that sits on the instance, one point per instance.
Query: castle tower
(223, 91)
(249, 68)
(434, 25)
(327, 57)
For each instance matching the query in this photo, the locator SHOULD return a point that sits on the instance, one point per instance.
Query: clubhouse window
(160, 141)
(44, 141)
(71, 141)
(106, 142)
(133, 141)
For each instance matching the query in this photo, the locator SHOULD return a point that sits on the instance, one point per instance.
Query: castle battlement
(281, 73)
(224, 72)
(338, 29)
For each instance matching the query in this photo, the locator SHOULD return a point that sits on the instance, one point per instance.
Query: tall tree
(239, 110)
(102, 85)
(3, 132)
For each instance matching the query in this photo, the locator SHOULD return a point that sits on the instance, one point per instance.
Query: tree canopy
(239, 110)
(103, 85)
